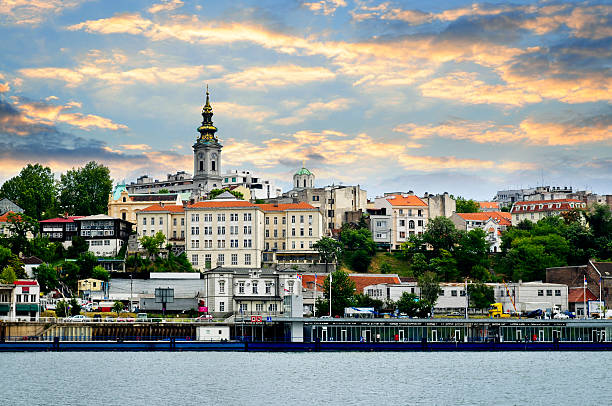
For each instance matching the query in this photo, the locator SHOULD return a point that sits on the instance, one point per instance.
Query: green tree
(410, 305)
(472, 250)
(385, 267)
(117, 307)
(34, 190)
(20, 228)
(84, 191)
(79, 246)
(40, 247)
(86, 263)
(329, 250)
(445, 266)
(363, 300)
(8, 259)
(600, 221)
(61, 309)
(8, 275)
(430, 287)
(163, 191)
(481, 295)
(152, 244)
(75, 307)
(342, 290)
(467, 206)
(216, 192)
(441, 234)
(419, 264)
(100, 273)
(47, 277)
(69, 275)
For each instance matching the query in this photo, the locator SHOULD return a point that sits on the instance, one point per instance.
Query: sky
(440, 96)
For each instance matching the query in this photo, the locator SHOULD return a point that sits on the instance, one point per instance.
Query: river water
(376, 378)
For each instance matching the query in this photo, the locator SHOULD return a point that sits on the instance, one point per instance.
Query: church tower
(303, 179)
(207, 153)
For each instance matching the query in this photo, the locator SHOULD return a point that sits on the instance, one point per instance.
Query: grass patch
(394, 264)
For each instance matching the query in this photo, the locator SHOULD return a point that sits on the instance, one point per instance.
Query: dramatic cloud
(167, 5)
(319, 108)
(287, 75)
(33, 12)
(325, 7)
(250, 113)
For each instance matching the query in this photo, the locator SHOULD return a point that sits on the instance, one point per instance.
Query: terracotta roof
(4, 217)
(489, 205)
(164, 197)
(564, 205)
(361, 281)
(286, 206)
(410, 200)
(26, 283)
(308, 281)
(575, 295)
(69, 219)
(168, 208)
(503, 218)
(219, 204)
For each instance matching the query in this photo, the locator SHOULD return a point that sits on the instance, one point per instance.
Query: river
(376, 378)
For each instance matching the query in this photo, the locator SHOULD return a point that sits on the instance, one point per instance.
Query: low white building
(20, 300)
(452, 297)
(260, 188)
(528, 296)
(494, 223)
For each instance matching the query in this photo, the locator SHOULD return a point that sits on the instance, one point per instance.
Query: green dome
(303, 171)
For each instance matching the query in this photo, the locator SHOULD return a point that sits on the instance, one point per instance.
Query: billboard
(595, 306)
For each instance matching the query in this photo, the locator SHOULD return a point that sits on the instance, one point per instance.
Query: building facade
(259, 188)
(206, 154)
(20, 300)
(535, 210)
(105, 235)
(179, 182)
(492, 223)
(60, 229)
(167, 219)
(409, 216)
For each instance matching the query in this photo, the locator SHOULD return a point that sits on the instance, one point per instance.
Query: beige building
(224, 232)
(290, 230)
(169, 219)
(91, 284)
(535, 210)
(124, 205)
(408, 216)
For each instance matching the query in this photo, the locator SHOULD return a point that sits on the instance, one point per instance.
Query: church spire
(207, 130)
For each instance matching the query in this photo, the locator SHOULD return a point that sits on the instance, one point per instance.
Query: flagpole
(330, 288)
(584, 296)
(314, 303)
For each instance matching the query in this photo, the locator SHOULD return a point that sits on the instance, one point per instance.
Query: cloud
(135, 147)
(584, 130)
(48, 114)
(326, 7)
(167, 5)
(319, 108)
(249, 113)
(4, 87)
(33, 12)
(274, 76)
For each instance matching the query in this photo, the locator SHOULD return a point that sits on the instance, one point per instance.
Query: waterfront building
(528, 296)
(258, 187)
(179, 182)
(409, 216)
(167, 219)
(597, 274)
(494, 223)
(20, 300)
(290, 231)
(535, 210)
(224, 232)
(7, 205)
(104, 234)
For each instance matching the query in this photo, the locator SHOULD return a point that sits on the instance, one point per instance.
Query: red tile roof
(4, 217)
(361, 281)
(169, 208)
(26, 283)
(218, 204)
(575, 295)
(410, 200)
(308, 281)
(489, 205)
(502, 217)
(286, 206)
(564, 205)
(69, 219)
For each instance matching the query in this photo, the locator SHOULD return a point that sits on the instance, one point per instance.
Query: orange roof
(488, 205)
(502, 217)
(171, 208)
(564, 205)
(308, 281)
(4, 217)
(410, 200)
(361, 281)
(212, 204)
(575, 295)
(285, 206)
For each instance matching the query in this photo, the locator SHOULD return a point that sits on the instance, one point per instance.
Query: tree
(79, 246)
(441, 234)
(84, 191)
(445, 266)
(47, 251)
(61, 309)
(152, 244)
(329, 250)
(117, 307)
(430, 287)
(20, 228)
(410, 305)
(34, 190)
(419, 264)
(466, 206)
(75, 307)
(363, 300)
(8, 259)
(342, 290)
(385, 267)
(216, 192)
(100, 273)
(358, 247)
(163, 191)
(472, 250)
(481, 295)
(86, 263)
(8, 275)
(47, 277)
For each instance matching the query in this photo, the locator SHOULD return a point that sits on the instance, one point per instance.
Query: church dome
(303, 171)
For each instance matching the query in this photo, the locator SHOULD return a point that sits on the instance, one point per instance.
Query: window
(401, 211)
(301, 232)
(235, 259)
(273, 307)
(548, 292)
(268, 288)
(293, 244)
(195, 217)
(259, 307)
(310, 219)
(240, 287)
(462, 293)
(420, 223)
(284, 221)
(310, 232)
(411, 224)
(402, 223)
(540, 292)
(161, 221)
(182, 221)
(293, 232)
(244, 307)
(195, 230)
(233, 230)
(208, 260)
(420, 213)
(284, 232)
(247, 259)
(402, 234)
(221, 217)
(301, 219)
(221, 306)
(144, 221)
(152, 221)
(106, 242)
(275, 220)
(557, 292)
(293, 219)
(267, 220)
(315, 198)
(174, 222)
(208, 217)
(248, 243)
(453, 293)
(247, 217)
(247, 230)
(221, 230)
(221, 286)
(221, 244)
(221, 259)
(267, 233)
(441, 292)
(194, 259)
(195, 243)
(254, 287)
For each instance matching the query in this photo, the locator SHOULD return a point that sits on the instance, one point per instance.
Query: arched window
(290, 286)
(411, 224)
(124, 199)
(123, 216)
(213, 165)
(304, 182)
(297, 183)
(201, 165)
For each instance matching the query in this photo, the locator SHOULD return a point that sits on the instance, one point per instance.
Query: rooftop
(503, 218)
(303, 171)
(172, 208)
(286, 206)
(576, 295)
(409, 200)
(68, 219)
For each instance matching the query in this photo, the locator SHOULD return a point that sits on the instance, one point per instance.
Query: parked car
(204, 317)
(109, 318)
(561, 316)
(78, 317)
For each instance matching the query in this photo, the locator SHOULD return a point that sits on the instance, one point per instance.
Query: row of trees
(154, 262)
(81, 191)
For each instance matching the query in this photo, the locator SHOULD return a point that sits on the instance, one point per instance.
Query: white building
(528, 296)
(535, 210)
(260, 188)
(409, 216)
(224, 232)
(20, 300)
(169, 219)
(105, 235)
(493, 223)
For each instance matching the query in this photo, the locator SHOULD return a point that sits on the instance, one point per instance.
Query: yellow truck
(497, 310)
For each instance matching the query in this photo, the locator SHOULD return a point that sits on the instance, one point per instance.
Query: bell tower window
(213, 166)
(201, 165)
